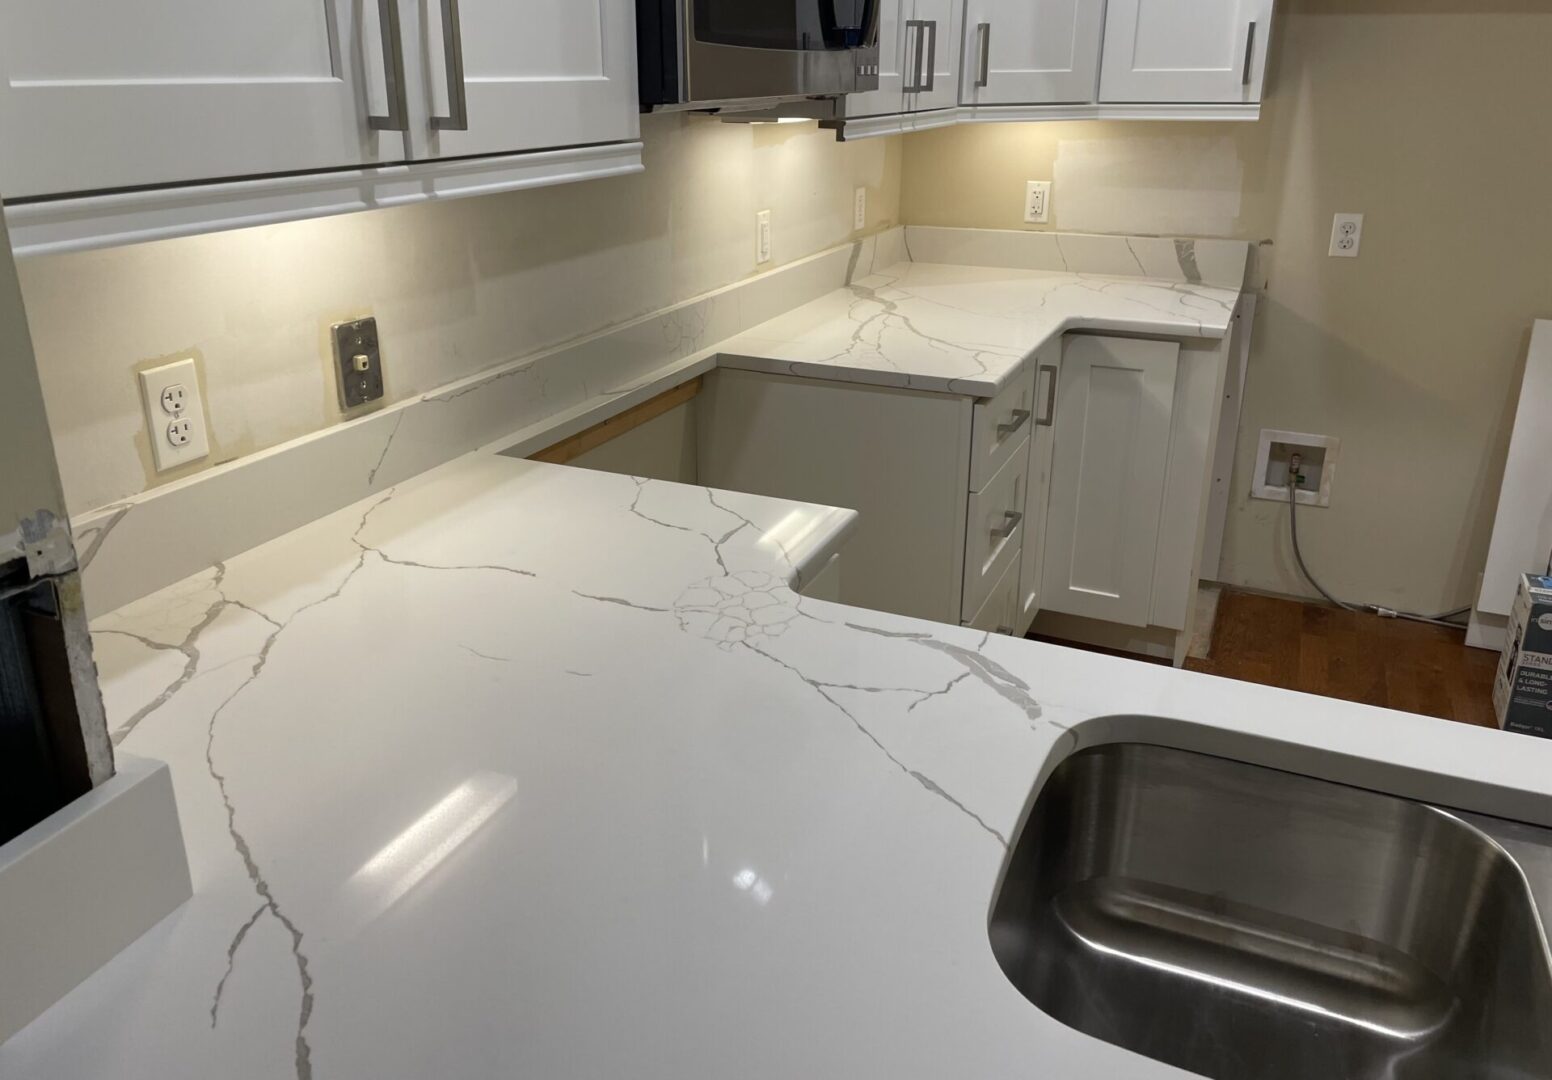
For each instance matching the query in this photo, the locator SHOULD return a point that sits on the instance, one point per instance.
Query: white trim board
(50, 226)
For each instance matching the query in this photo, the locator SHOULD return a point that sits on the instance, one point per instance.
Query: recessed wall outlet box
(175, 414)
(1317, 466)
(1346, 236)
(358, 363)
(762, 232)
(859, 213)
(1037, 202)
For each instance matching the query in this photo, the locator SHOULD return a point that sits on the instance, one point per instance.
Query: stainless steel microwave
(731, 54)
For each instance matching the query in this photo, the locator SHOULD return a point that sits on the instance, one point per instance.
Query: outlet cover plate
(762, 242)
(358, 363)
(1346, 236)
(175, 414)
(1330, 444)
(859, 216)
(1037, 202)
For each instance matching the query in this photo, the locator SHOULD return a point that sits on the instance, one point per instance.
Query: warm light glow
(407, 859)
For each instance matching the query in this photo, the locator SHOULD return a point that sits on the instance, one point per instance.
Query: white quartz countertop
(524, 771)
(966, 329)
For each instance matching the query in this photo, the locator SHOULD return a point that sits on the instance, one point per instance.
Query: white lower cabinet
(1042, 442)
(899, 457)
(1112, 443)
(999, 614)
(994, 532)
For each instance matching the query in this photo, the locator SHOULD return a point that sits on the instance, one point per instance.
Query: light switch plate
(358, 363)
(175, 414)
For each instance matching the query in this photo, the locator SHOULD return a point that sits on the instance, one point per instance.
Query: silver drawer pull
(457, 118)
(1012, 519)
(393, 71)
(930, 77)
(1020, 418)
(1007, 630)
(1250, 53)
(983, 75)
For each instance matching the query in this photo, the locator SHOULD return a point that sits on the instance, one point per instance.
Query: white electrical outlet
(175, 414)
(1346, 236)
(762, 229)
(859, 214)
(1037, 202)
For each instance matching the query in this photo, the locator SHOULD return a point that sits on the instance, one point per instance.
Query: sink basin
(1240, 922)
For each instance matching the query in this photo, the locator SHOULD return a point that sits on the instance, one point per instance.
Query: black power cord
(1373, 609)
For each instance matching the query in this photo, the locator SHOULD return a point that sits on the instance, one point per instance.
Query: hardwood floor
(1322, 650)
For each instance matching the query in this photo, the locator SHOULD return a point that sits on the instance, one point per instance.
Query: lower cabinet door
(1037, 497)
(1112, 440)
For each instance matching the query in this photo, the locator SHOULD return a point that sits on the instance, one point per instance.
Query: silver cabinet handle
(983, 76)
(1250, 52)
(1050, 396)
(1011, 520)
(930, 76)
(914, 61)
(1020, 418)
(393, 71)
(1005, 630)
(457, 118)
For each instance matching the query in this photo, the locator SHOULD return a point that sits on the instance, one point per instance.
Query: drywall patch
(44, 540)
(1159, 185)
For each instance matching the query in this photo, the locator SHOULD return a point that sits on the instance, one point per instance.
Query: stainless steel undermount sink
(1248, 924)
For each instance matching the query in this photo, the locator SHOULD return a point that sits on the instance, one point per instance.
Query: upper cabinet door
(505, 76)
(897, 45)
(1031, 52)
(1185, 51)
(100, 95)
(938, 38)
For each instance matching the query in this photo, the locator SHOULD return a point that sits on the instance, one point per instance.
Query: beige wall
(1429, 116)
(456, 287)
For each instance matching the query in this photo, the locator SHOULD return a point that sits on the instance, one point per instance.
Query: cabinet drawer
(995, 529)
(1000, 427)
(999, 615)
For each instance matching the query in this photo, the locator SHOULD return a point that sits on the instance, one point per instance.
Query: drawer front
(994, 530)
(1000, 427)
(999, 615)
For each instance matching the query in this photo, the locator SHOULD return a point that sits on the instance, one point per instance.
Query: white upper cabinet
(1187, 51)
(118, 114)
(1031, 52)
(534, 74)
(100, 95)
(938, 24)
(918, 45)
(896, 52)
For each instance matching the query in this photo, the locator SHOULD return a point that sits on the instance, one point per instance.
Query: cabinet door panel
(1185, 50)
(896, 54)
(1107, 485)
(542, 73)
(942, 20)
(97, 96)
(1032, 52)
